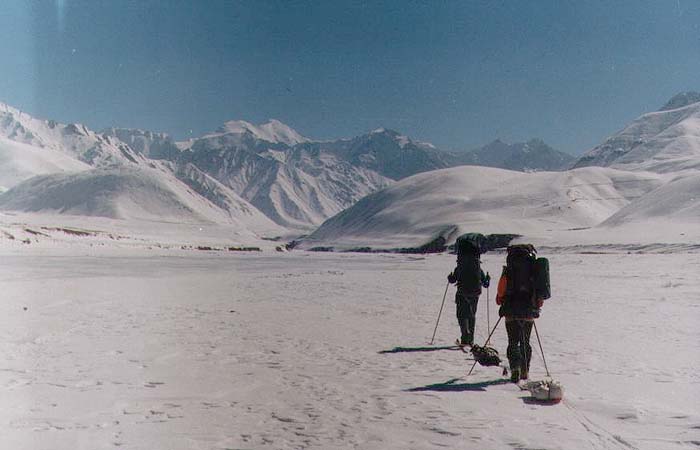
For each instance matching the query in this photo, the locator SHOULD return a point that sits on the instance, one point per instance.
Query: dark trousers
(466, 315)
(519, 350)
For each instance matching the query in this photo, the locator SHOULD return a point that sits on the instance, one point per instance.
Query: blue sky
(456, 73)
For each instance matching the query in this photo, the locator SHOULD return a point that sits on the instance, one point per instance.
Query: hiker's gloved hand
(451, 278)
(501, 311)
(540, 302)
(486, 282)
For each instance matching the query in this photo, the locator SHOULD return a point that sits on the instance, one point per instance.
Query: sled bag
(486, 356)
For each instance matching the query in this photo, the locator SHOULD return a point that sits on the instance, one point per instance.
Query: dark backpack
(470, 243)
(468, 273)
(520, 269)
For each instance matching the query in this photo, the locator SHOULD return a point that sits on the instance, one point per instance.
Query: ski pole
(488, 313)
(440, 313)
(487, 343)
(541, 351)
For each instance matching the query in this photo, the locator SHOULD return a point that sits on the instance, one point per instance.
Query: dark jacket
(468, 275)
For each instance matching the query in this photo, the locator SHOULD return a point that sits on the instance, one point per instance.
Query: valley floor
(194, 350)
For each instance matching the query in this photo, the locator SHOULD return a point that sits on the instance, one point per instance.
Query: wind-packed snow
(452, 201)
(106, 348)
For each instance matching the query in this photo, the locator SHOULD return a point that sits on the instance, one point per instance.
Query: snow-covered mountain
(448, 202)
(243, 172)
(388, 153)
(523, 156)
(663, 141)
(273, 131)
(142, 193)
(149, 144)
(296, 182)
(299, 183)
(124, 174)
(19, 162)
(297, 187)
(75, 140)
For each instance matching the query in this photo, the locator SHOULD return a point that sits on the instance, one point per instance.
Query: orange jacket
(502, 286)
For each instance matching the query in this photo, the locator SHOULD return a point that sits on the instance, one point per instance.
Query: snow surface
(140, 324)
(108, 347)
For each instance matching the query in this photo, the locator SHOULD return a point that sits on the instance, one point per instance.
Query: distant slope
(128, 193)
(19, 162)
(663, 141)
(676, 201)
(522, 156)
(451, 201)
(388, 153)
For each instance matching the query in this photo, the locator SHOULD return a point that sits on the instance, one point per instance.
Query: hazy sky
(456, 73)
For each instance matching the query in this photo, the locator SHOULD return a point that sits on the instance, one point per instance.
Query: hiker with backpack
(522, 289)
(470, 279)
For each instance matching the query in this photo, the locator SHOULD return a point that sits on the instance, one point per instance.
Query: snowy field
(168, 349)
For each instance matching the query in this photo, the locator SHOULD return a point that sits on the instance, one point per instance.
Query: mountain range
(644, 179)
(270, 179)
(293, 180)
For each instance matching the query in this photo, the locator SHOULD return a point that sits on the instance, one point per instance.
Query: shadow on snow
(452, 386)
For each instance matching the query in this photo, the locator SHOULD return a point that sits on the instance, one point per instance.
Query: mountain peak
(272, 131)
(385, 131)
(681, 100)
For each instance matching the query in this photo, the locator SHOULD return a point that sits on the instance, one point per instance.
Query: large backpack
(468, 271)
(470, 243)
(520, 269)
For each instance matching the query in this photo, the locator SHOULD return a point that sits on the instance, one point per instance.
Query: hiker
(469, 278)
(520, 298)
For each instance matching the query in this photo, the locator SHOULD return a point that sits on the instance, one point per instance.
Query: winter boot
(524, 374)
(467, 338)
(515, 374)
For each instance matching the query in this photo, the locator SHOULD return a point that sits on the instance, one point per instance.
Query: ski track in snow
(330, 351)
